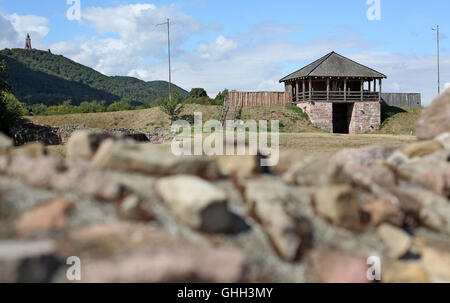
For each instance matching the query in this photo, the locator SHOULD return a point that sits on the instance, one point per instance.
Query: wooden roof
(334, 65)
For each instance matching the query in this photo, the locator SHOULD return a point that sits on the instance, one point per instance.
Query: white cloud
(14, 29)
(217, 49)
(128, 43)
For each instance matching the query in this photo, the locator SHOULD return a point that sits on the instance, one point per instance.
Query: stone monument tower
(28, 42)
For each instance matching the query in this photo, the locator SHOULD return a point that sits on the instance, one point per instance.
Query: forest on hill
(39, 77)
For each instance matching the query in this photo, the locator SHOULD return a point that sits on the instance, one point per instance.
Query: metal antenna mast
(438, 59)
(168, 46)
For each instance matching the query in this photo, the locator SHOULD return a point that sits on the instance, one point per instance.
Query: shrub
(10, 110)
(172, 107)
(299, 111)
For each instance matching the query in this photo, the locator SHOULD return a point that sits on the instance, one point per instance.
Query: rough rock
(422, 148)
(28, 261)
(363, 156)
(5, 144)
(397, 158)
(31, 150)
(434, 118)
(83, 144)
(404, 272)
(368, 175)
(49, 216)
(435, 213)
(52, 172)
(435, 257)
(331, 266)
(266, 201)
(126, 253)
(444, 139)
(229, 165)
(396, 240)
(131, 208)
(152, 159)
(196, 202)
(319, 173)
(382, 210)
(339, 204)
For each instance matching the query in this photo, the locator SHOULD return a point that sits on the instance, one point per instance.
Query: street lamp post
(168, 46)
(438, 60)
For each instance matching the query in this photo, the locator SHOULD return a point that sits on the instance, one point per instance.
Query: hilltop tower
(28, 42)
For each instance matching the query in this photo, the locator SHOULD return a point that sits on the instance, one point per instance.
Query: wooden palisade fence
(259, 98)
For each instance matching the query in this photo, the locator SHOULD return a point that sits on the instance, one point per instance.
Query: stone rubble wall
(365, 116)
(26, 132)
(137, 213)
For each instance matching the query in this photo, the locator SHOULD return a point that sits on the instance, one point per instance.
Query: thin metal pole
(438, 62)
(438, 58)
(170, 72)
(168, 47)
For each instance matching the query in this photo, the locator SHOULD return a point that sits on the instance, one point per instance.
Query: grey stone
(396, 240)
(196, 202)
(267, 199)
(152, 159)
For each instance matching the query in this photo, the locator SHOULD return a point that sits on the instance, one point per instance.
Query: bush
(10, 110)
(121, 105)
(172, 107)
(299, 111)
(10, 107)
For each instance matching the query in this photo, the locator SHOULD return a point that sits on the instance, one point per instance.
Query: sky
(244, 45)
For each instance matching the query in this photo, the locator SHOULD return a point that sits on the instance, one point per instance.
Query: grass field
(296, 131)
(399, 120)
(145, 120)
(396, 120)
(322, 144)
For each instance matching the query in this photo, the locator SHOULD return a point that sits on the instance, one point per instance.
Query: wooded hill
(40, 77)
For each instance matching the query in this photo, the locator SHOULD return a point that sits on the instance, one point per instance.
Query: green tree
(121, 105)
(10, 108)
(4, 86)
(173, 107)
(220, 98)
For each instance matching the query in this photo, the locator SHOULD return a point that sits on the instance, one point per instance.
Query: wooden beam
(296, 92)
(379, 95)
(304, 89)
(345, 89)
(362, 90)
(310, 89)
(328, 89)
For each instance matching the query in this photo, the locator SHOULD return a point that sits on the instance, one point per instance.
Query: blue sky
(244, 45)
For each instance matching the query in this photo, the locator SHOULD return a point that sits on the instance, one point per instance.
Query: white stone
(198, 203)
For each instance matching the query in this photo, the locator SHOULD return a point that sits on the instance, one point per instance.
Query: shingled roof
(334, 65)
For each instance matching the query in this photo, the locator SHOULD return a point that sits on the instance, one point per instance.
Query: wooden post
(379, 95)
(370, 86)
(296, 92)
(345, 89)
(304, 89)
(362, 90)
(328, 89)
(310, 89)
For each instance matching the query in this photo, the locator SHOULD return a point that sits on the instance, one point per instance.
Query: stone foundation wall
(365, 116)
(320, 114)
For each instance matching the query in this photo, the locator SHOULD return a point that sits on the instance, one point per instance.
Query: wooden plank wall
(402, 99)
(259, 98)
